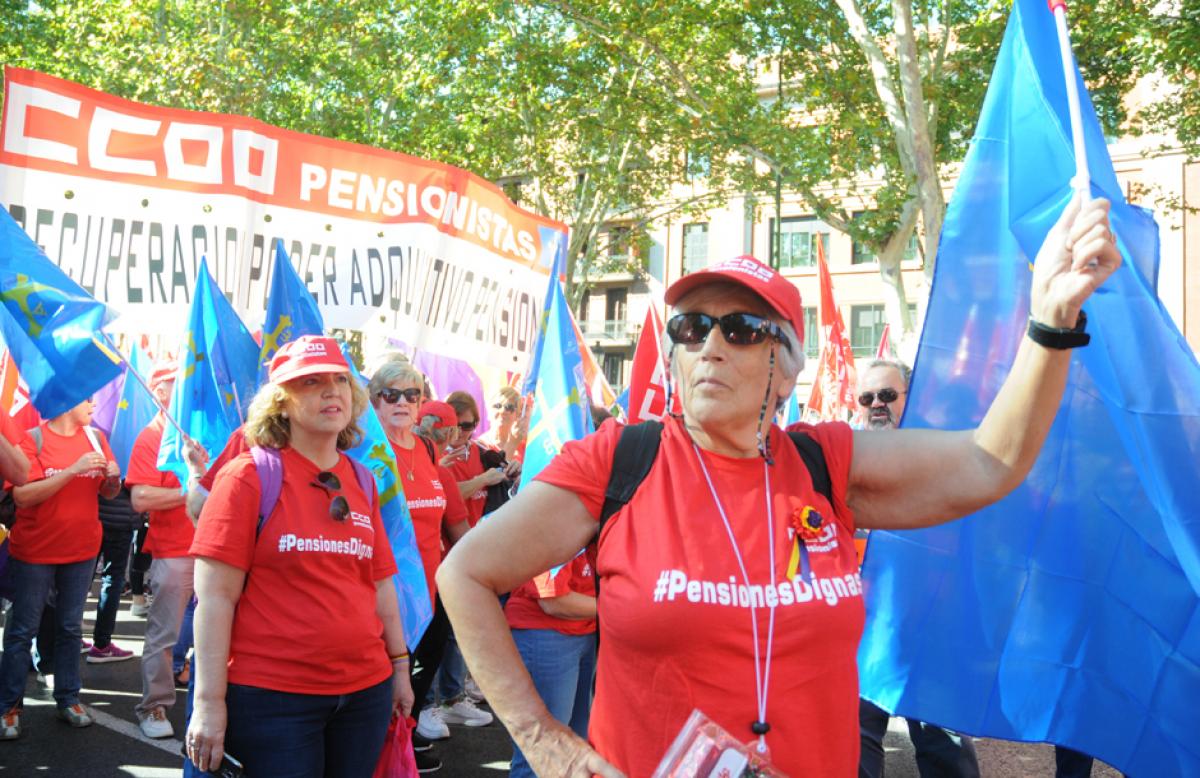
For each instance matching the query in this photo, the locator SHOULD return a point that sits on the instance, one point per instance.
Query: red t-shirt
(306, 622)
(431, 504)
(524, 612)
(675, 636)
(233, 447)
(171, 531)
(464, 470)
(65, 527)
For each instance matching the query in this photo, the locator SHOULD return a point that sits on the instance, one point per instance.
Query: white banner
(127, 198)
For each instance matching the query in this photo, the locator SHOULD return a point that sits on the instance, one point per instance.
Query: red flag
(14, 395)
(885, 347)
(648, 378)
(832, 395)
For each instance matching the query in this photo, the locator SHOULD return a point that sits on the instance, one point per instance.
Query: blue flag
(416, 608)
(218, 372)
(560, 409)
(51, 326)
(1067, 612)
(291, 311)
(135, 409)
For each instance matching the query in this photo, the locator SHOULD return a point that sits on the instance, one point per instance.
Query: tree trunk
(895, 299)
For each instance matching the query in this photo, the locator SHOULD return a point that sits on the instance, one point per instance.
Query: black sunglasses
(392, 396)
(468, 426)
(504, 406)
(739, 329)
(888, 395)
(339, 506)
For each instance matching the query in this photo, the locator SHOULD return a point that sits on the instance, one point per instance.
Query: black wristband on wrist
(1059, 337)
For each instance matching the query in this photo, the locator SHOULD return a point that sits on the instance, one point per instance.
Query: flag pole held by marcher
(1082, 182)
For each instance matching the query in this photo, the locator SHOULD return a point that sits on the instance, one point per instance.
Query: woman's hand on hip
(402, 693)
(206, 734)
(556, 750)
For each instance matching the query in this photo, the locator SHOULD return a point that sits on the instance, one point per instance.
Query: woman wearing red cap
(418, 434)
(300, 649)
(728, 582)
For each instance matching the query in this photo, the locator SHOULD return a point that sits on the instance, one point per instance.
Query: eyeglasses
(739, 329)
(339, 506)
(392, 396)
(467, 426)
(888, 395)
(504, 406)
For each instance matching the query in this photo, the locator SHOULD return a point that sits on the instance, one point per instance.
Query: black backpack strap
(636, 449)
(814, 459)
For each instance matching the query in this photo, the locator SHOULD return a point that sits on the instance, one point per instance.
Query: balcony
(610, 332)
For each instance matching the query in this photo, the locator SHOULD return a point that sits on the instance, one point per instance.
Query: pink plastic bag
(397, 759)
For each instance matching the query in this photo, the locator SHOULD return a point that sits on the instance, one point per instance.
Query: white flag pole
(1082, 181)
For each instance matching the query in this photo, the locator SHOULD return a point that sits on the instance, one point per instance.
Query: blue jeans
(115, 550)
(33, 583)
(287, 735)
(562, 667)
(184, 643)
(452, 674)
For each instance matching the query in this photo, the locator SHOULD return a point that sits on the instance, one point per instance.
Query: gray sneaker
(76, 715)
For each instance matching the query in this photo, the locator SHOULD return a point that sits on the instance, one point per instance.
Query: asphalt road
(115, 747)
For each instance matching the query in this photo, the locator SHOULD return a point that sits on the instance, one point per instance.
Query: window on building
(695, 247)
(866, 327)
(615, 304)
(613, 367)
(798, 236)
(863, 255)
(812, 337)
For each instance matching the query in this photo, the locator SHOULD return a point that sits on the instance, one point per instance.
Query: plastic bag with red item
(397, 759)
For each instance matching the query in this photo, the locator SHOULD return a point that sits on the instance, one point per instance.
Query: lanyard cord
(762, 670)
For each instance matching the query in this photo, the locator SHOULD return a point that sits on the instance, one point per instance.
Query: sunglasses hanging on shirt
(739, 329)
(339, 506)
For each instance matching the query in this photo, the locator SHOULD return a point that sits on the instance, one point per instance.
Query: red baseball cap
(164, 371)
(308, 355)
(779, 293)
(446, 415)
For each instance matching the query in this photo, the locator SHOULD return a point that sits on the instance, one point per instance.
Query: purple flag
(106, 398)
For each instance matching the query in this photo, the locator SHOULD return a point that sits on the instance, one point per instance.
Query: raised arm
(917, 478)
(542, 527)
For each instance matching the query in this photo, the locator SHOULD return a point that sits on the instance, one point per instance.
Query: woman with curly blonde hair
(300, 649)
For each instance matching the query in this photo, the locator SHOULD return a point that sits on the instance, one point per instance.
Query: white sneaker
(156, 724)
(139, 610)
(431, 726)
(463, 711)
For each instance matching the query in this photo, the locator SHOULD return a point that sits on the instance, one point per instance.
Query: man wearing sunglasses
(882, 392)
(728, 582)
